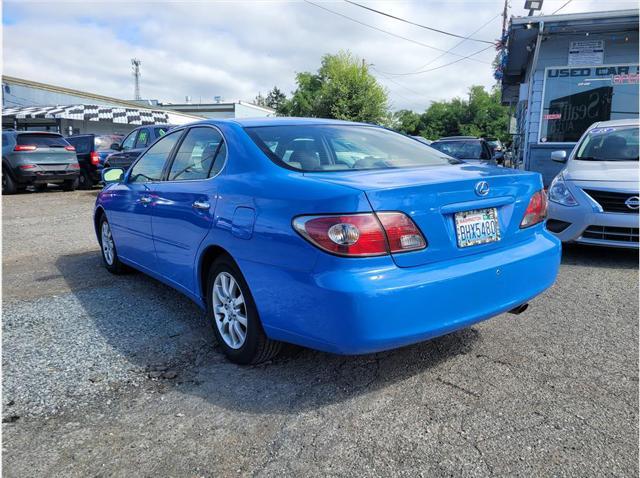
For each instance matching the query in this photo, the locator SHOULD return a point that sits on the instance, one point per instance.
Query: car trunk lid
(432, 196)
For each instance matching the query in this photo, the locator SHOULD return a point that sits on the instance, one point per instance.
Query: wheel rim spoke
(229, 311)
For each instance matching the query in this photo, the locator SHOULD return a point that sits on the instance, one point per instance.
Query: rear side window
(151, 164)
(42, 140)
(161, 131)
(200, 156)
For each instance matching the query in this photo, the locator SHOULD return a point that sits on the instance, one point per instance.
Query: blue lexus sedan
(339, 236)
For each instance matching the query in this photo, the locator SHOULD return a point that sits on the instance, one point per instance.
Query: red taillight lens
(25, 147)
(28, 166)
(361, 235)
(69, 148)
(95, 158)
(402, 233)
(536, 210)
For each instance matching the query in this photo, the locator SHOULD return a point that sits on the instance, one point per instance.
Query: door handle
(145, 199)
(201, 205)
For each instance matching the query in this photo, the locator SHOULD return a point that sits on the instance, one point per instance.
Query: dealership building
(562, 73)
(30, 105)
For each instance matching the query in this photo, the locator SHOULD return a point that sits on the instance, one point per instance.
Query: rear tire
(8, 184)
(85, 181)
(108, 248)
(70, 185)
(234, 316)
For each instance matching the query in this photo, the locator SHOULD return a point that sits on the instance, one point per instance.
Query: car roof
(620, 122)
(281, 121)
(459, 138)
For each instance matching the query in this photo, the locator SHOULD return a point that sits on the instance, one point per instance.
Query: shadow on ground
(154, 326)
(592, 256)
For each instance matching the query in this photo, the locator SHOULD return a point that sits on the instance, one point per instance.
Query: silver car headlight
(559, 192)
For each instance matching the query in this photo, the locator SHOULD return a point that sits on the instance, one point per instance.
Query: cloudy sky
(236, 49)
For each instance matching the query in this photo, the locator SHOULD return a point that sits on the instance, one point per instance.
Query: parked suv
(134, 144)
(467, 148)
(37, 158)
(92, 151)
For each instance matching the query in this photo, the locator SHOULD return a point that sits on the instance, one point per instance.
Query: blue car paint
(311, 298)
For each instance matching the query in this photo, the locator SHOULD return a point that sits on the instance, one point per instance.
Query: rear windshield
(81, 143)
(339, 148)
(42, 140)
(461, 149)
(609, 144)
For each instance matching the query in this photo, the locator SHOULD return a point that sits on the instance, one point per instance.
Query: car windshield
(343, 147)
(610, 144)
(460, 149)
(42, 140)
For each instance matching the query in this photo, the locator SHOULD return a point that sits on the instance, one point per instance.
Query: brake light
(361, 235)
(95, 158)
(536, 210)
(69, 148)
(25, 147)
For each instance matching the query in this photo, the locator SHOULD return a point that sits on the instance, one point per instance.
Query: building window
(575, 98)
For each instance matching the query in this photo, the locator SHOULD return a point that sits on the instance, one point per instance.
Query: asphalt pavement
(120, 376)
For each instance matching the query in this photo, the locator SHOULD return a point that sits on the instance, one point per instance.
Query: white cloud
(237, 49)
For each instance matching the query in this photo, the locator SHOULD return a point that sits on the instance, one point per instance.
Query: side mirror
(115, 146)
(112, 175)
(559, 156)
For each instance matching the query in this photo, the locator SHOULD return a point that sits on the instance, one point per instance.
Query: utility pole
(135, 66)
(505, 13)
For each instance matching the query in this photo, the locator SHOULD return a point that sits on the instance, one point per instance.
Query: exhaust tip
(520, 309)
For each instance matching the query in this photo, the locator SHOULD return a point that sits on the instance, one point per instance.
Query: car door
(184, 205)
(131, 202)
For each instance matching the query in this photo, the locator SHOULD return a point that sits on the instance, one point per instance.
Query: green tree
(275, 99)
(406, 121)
(342, 88)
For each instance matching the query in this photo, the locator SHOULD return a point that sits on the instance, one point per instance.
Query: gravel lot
(107, 376)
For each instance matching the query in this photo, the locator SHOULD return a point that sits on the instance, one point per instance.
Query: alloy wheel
(229, 310)
(108, 249)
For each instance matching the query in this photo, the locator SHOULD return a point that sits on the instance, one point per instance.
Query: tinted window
(42, 140)
(143, 139)
(461, 149)
(149, 167)
(200, 156)
(161, 131)
(81, 143)
(104, 141)
(129, 141)
(609, 144)
(331, 148)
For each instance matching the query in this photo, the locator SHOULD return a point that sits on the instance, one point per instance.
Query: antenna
(135, 66)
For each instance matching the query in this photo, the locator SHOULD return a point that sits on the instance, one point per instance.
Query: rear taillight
(25, 147)
(69, 148)
(28, 166)
(536, 210)
(361, 235)
(95, 158)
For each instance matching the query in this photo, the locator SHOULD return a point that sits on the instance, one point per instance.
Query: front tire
(234, 316)
(108, 247)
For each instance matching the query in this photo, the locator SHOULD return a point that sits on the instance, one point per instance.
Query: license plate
(477, 227)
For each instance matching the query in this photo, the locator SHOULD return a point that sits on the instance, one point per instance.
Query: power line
(567, 3)
(418, 70)
(381, 30)
(416, 24)
(453, 62)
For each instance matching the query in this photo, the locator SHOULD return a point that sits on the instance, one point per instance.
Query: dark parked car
(134, 144)
(37, 158)
(467, 148)
(92, 151)
(497, 149)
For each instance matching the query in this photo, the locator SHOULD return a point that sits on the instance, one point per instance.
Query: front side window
(200, 156)
(143, 139)
(342, 147)
(575, 98)
(129, 141)
(150, 166)
(609, 144)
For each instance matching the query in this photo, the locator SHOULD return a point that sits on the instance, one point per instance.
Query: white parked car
(595, 199)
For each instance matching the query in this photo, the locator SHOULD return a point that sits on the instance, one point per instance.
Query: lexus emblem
(482, 189)
(633, 202)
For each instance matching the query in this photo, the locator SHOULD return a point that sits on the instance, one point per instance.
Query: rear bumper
(44, 176)
(383, 307)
